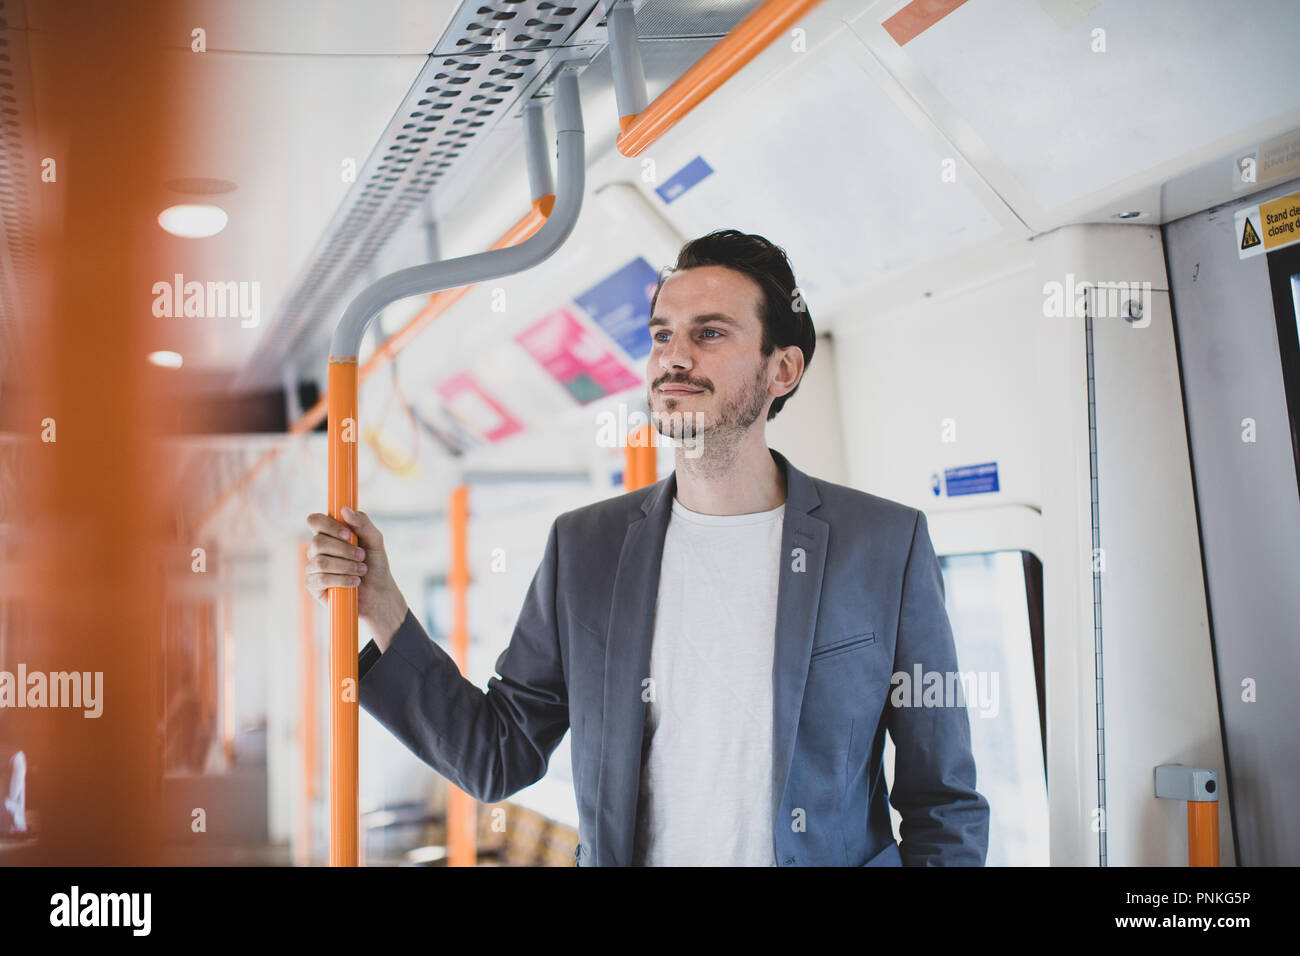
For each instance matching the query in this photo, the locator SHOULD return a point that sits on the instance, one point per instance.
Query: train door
(1235, 279)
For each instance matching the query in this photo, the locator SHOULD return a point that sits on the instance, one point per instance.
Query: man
(721, 643)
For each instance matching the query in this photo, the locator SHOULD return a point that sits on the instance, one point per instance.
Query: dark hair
(766, 264)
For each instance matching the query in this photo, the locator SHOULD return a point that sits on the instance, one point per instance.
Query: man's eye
(712, 333)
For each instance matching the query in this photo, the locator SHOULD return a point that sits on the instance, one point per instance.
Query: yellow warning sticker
(1268, 226)
(1249, 237)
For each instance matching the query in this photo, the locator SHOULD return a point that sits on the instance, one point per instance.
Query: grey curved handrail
(467, 270)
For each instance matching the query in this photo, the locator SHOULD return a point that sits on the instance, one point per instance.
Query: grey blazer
(860, 599)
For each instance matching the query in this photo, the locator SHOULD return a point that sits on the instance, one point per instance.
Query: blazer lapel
(803, 561)
(627, 664)
(631, 631)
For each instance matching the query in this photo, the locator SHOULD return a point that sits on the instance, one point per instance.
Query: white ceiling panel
(333, 27)
(280, 129)
(1067, 121)
(818, 158)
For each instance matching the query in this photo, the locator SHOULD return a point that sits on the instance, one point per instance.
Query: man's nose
(675, 354)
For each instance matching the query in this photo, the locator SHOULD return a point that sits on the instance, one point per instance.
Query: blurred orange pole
(227, 684)
(461, 815)
(639, 467)
(204, 663)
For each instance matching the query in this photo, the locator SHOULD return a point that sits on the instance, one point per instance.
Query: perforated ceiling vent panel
(464, 89)
(527, 26)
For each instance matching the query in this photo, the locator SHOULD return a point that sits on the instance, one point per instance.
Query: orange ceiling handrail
(747, 39)
(439, 303)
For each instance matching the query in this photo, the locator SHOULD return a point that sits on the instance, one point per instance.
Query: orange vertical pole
(1202, 833)
(227, 684)
(343, 426)
(307, 714)
(461, 815)
(204, 664)
(193, 618)
(639, 460)
(1174, 781)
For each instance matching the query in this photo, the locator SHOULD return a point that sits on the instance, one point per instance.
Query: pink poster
(476, 409)
(575, 357)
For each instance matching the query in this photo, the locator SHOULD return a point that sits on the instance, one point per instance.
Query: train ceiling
(884, 144)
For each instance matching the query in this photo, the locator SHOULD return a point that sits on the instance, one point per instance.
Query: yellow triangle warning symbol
(1249, 237)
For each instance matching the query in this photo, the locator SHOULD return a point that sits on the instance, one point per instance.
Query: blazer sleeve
(490, 744)
(945, 820)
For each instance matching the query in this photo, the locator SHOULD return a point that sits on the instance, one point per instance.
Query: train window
(1295, 301)
(1284, 277)
(994, 602)
(437, 610)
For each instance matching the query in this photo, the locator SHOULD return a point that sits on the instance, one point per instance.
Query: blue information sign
(967, 480)
(688, 176)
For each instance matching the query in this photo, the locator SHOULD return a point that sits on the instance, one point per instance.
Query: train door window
(994, 603)
(1284, 277)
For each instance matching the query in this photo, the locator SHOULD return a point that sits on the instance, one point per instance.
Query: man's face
(706, 372)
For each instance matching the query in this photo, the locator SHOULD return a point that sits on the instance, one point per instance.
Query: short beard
(715, 445)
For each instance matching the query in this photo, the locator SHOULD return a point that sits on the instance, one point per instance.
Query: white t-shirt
(706, 764)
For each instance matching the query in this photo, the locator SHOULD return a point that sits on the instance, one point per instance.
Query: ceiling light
(427, 854)
(193, 221)
(166, 359)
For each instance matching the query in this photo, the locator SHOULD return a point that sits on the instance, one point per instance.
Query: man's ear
(791, 365)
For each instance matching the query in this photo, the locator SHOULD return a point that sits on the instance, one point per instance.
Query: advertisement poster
(575, 357)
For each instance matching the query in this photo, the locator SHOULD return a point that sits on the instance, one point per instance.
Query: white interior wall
(808, 429)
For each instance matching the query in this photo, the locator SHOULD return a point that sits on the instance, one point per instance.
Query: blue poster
(620, 305)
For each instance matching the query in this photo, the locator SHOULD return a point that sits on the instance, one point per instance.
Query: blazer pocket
(594, 631)
(843, 646)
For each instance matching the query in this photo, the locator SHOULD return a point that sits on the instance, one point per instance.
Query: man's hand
(335, 561)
